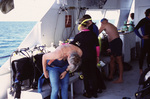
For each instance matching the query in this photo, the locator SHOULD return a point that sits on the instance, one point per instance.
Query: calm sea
(11, 35)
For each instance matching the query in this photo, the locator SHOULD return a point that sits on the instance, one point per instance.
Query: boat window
(111, 15)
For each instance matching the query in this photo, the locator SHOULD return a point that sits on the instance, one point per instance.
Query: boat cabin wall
(55, 24)
(140, 8)
(123, 5)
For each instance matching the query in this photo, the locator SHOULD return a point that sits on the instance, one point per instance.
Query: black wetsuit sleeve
(139, 25)
(75, 41)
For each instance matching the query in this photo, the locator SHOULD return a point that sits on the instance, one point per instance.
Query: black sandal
(87, 95)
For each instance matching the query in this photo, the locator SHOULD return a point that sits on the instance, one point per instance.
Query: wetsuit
(87, 42)
(144, 25)
(94, 29)
(101, 85)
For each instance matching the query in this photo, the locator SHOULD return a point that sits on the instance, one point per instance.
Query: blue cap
(103, 19)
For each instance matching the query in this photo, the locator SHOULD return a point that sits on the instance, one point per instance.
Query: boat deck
(113, 91)
(125, 89)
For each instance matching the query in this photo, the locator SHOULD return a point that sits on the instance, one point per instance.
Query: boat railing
(2, 58)
(27, 52)
(33, 36)
(6, 56)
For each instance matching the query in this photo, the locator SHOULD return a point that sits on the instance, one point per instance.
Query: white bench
(72, 80)
(33, 93)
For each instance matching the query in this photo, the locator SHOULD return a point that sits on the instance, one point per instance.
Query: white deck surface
(113, 91)
(118, 91)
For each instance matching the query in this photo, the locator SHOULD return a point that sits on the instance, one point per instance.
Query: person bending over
(56, 67)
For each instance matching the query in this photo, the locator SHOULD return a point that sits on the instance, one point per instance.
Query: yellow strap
(100, 42)
(86, 20)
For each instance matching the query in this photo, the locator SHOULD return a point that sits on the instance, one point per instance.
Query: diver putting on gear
(115, 48)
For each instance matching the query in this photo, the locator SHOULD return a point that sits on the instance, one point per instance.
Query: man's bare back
(63, 51)
(110, 29)
(116, 55)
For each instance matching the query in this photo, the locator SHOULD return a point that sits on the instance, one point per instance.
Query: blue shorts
(116, 47)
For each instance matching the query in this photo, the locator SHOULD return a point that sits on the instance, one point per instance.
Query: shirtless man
(58, 67)
(115, 45)
(63, 52)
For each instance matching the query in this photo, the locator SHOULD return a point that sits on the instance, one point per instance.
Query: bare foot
(118, 81)
(109, 78)
(141, 71)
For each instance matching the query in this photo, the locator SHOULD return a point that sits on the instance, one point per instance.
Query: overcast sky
(27, 10)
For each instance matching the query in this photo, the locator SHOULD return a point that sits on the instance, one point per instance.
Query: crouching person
(56, 67)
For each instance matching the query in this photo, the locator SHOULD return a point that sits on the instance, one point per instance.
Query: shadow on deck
(125, 89)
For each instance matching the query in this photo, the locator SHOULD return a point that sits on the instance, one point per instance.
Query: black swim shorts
(116, 47)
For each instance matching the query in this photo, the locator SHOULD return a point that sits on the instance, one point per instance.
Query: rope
(4, 56)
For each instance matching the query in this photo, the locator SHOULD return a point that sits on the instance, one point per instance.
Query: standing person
(115, 45)
(131, 20)
(87, 42)
(130, 23)
(93, 28)
(144, 24)
(132, 17)
(58, 67)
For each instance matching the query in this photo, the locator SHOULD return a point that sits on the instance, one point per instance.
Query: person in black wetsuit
(144, 24)
(87, 42)
(93, 28)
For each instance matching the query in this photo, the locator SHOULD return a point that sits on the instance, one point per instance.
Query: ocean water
(11, 36)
